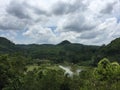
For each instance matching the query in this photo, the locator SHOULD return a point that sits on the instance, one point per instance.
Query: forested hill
(6, 45)
(111, 51)
(64, 51)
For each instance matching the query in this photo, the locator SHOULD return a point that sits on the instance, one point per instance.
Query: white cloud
(78, 23)
(84, 21)
(12, 23)
(40, 34)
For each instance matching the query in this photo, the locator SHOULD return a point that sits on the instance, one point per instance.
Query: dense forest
(37, 67)
(64, 51)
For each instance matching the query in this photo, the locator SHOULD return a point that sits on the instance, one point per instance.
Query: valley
(65, 66)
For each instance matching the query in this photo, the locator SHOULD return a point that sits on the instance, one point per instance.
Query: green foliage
(17, 74)
(103, 70)
(107, 70)
(108, 73)
(65, 51)
(5, 42)
(111, 51)
(45, 77)
(11, 70)
(31, 67)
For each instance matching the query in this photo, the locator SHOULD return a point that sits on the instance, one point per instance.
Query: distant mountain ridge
(63, 51)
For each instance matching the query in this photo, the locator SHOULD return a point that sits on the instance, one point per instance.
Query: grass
(32, 67)
(47, 66)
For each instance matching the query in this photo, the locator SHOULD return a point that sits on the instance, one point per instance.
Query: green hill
(6, 45)
(5, 42)
(112, 50)
(64, 51)
(65, 42)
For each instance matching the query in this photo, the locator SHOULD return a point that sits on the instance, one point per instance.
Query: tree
(103, 71)
(108, 74)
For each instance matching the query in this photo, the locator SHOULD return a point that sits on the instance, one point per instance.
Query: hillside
(65, 42)
(6, 45)
(64, 51)
(61, 52)
(112, 50)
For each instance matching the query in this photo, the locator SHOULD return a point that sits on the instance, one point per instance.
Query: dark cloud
(21, 10)
(78, 23)
(90, 35)
(20, 14)
(3, 27)
(61, 8)
(78, 27)
(87, 36)
(10, 27)
(37, 10)
(17, 9)
(40, 11)
(75, 20)
(11, 23)
(108, 9)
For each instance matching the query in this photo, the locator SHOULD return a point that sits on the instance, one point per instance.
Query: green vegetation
(112, 50)
(36, 67)
(17, 74)
(64, 51)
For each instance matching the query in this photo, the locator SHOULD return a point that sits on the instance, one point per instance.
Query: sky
(90, 22)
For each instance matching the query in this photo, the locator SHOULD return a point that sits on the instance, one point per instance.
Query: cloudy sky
(93, 22)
